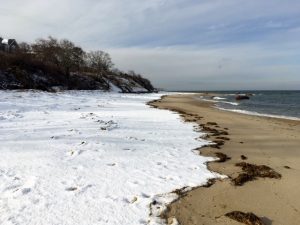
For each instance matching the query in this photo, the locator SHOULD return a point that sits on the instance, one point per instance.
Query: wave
(231, 103)
(259, 114)
(218, 98)
(215, 101)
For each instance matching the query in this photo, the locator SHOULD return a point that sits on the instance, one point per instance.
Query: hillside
(52, 65)
(21, 78)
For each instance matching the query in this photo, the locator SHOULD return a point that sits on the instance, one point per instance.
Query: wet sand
(264, 141)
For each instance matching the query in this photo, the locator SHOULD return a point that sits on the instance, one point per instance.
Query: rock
(242, 97)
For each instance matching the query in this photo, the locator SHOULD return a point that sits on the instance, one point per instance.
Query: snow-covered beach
(87, 157)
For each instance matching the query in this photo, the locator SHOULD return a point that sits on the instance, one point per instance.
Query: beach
(90, 157)
(247, 139)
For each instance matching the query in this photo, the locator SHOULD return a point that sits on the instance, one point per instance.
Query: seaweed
(243, 157)
(211, 123)
(251, 172)
(246, 218)
(222, 157)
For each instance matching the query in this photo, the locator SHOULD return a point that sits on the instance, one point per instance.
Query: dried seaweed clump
(251, 172)
(180, 192)
(246, 218)
(243, 157)
(222, 157)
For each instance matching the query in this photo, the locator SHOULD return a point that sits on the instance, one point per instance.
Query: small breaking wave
(231, 103)
(216, 101)
(219, 98)
(259, 114)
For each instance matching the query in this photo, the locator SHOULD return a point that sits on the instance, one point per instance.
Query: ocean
(281, 104)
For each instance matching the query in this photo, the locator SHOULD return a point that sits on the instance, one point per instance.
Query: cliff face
(24, 78)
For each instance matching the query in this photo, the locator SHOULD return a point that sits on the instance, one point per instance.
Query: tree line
(62, 61)
(67, 56)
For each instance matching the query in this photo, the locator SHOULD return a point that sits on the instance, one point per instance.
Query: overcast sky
(177, 44)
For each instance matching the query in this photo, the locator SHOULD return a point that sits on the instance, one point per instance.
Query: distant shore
(251, 141)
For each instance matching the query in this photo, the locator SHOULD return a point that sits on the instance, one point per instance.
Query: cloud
(179, 43)
(232, 67)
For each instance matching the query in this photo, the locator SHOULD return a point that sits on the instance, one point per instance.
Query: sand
(264, 141)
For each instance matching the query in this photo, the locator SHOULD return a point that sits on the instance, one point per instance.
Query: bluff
(51, 64)
(20, 78)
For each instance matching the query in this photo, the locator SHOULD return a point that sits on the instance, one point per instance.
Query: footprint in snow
(78, 189)
(26, 191)
(85, 188)
(71, 189)
(142, 221)
(144, 195)
(20, 187)
(79, 167)
(55, 137)
(74, 153)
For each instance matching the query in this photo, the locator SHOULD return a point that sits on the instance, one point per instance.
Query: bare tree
(99, 61)
(70, 56)
(64, 53)
(24, 47)
(47, 50)
(131, 72)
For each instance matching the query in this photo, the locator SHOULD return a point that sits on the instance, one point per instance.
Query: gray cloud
(181, 44)
(234, 67)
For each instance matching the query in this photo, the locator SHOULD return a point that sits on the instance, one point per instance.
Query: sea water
(285, 104)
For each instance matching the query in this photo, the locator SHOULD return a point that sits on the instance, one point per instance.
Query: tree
(70, 56)
(64, 53)
(47, 50)
(132, 73)
(24, 48)
(99, 61)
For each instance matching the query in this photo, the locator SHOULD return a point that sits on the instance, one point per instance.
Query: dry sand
(264, 141)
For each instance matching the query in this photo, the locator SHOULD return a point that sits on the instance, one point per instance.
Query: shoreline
(242, 111)
(267, 141)
(252, 113)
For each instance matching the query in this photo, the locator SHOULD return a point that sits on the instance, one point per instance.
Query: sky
(177, 44)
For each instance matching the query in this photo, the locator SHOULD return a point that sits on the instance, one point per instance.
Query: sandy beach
(262, 141)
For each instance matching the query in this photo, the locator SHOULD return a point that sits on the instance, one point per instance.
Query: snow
(86, 157)
(114, 88)
(139, 89)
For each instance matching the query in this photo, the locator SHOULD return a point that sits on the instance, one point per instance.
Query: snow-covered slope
(90, 158)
